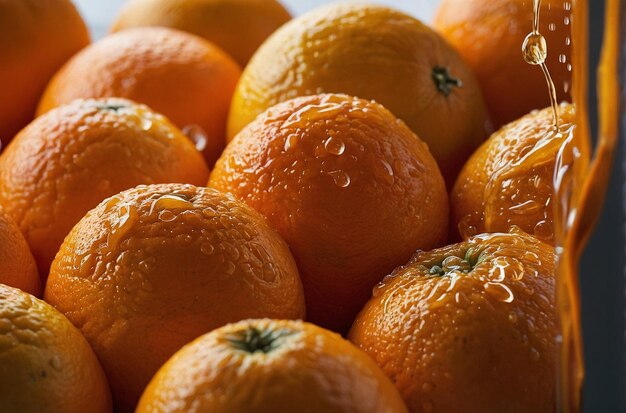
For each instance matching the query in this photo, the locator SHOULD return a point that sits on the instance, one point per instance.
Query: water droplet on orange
(334, 146)
(341, 178)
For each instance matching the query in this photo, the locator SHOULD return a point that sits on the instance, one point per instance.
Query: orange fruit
(47, 365)
(371, 52)
(259, 366)
(469, 328)
(350, 188)
(489, 35)
(36, 38)
(510, 179)
(68, 160)
(154, 267)
(237, 26)
(180, 75)
(17, 265)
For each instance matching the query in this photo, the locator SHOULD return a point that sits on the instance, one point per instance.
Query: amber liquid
(580, 184)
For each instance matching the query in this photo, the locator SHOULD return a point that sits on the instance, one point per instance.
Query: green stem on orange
(444, 81)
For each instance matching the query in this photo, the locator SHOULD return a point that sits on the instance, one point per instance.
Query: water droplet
(291, 141)
(427, 387)
(513, 317)
(170, 202)
(552, 27)
(55, 362)
(207, 248)
(126, 216)
(562, 58)
(146, 124)
(534, 354)
(340, 178)
(334, 146)
(499, 291)
(535, 49)
(167, 216)
(197, 135)
(147, 264)
(543, 229)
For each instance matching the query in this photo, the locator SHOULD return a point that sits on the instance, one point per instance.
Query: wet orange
(154, 267)
(17, 265)
(372, 52)
(180, 75)
(270, 366)
(68, 160)
(36, 38)
(510, 179)
(237, 26)
(47, 365)
(351, 189)
(489, 36)
(469, 328)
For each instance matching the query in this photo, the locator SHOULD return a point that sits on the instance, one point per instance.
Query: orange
(510, 179)
(154, 267)
(17, 265)
(489, 36)
(371, 52)
(351, 189)
(180, 75)
(47, 365)
(469, 328)
(259, 366)
(36, 38)
(237, 26)
(68, 160)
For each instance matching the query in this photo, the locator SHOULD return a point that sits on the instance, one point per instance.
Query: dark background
(602, 272)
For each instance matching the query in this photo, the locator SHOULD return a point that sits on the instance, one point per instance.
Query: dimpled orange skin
(68, 160)
(17, 265)
(351, 189)
(237, 26)
(182, 76)
(36, 38)
(154, 267)
(524, 199)
(489, 36)
(47, 365)
(298, 367)
(463, 343)
(372, 52)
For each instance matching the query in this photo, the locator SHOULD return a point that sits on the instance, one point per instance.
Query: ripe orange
(17, 265)
(237, 26)
(180, 75)
(469, 328)
(351, 189)
(68, 160)
(36, 38)
(489, 36)
(510, 179)
(47, 365)
(154, 267)
(371, 52)
(259, 366)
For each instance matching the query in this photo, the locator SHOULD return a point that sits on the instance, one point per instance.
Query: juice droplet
(499, 291)
(167, 216)
(291, 141)
(207, 248)
(197, 135)
(334, 146)
(535, 49)
(170, 202)
(341, 178)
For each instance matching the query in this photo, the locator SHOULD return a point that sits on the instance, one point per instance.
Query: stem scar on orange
(259, 366)
(469, 328)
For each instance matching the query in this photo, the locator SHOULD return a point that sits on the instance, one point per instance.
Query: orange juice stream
(580, 183)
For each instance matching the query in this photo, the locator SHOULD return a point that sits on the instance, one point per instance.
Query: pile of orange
(214, 193)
